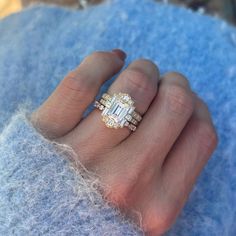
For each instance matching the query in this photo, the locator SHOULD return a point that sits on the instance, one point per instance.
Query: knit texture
(40, 193)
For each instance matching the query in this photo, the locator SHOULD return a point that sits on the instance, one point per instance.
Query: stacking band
(118, 111)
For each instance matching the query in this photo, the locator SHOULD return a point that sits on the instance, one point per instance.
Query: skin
(151, 170)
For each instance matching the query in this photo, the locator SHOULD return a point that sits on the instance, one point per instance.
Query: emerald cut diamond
(120, 106)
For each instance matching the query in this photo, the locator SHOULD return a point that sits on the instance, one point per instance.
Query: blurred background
(222, 8)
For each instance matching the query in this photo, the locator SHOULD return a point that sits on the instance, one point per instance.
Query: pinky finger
(189, 154)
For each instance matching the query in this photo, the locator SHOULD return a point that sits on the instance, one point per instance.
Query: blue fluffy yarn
(41, 44)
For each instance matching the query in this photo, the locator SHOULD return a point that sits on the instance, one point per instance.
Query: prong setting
(118, 111)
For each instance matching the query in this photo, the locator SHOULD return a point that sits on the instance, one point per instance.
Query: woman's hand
(151, 170)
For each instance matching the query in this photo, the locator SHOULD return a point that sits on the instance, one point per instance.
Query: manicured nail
(121, 54)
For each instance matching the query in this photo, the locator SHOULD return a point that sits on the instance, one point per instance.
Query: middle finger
(162, 124)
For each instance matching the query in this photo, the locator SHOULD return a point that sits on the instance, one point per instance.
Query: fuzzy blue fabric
(40, 194)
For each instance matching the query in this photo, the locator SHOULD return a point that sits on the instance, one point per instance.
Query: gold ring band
(118, 111)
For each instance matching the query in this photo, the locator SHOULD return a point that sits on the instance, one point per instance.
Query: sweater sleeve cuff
(42, 194)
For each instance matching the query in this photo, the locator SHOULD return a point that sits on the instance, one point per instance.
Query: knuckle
(119, 193)
(99, 56)
(159, 223)
(104, 57)
(179, 100)
(106, 60)
(146, 62)
(137, 80)
(178, 77)
(165, 223)
(76, 81)
(96, 55)
(75, 85)
(207, 136)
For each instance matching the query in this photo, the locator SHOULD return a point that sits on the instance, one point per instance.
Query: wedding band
(118, 111)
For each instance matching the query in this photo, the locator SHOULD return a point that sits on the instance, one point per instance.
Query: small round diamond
(118, 111)
(126, 123)
(128, 117)
(101, 107)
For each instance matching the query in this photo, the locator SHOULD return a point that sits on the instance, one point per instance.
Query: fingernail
(121, 54)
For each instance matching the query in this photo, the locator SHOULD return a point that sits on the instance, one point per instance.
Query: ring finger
(140, 81)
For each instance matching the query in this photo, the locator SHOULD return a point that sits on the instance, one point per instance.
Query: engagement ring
(118, 111)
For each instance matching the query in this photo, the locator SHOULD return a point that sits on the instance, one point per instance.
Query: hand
(151, 170)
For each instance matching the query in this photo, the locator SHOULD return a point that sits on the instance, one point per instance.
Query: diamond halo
(120, 106)
(118, 111)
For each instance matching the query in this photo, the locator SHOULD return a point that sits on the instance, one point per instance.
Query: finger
(64, 108)
(189, 154)
(139, 80)
(161, 125)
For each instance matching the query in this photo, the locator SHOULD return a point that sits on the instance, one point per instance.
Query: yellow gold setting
(118, 111)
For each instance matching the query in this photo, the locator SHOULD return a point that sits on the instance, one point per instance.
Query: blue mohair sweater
(40, 192)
